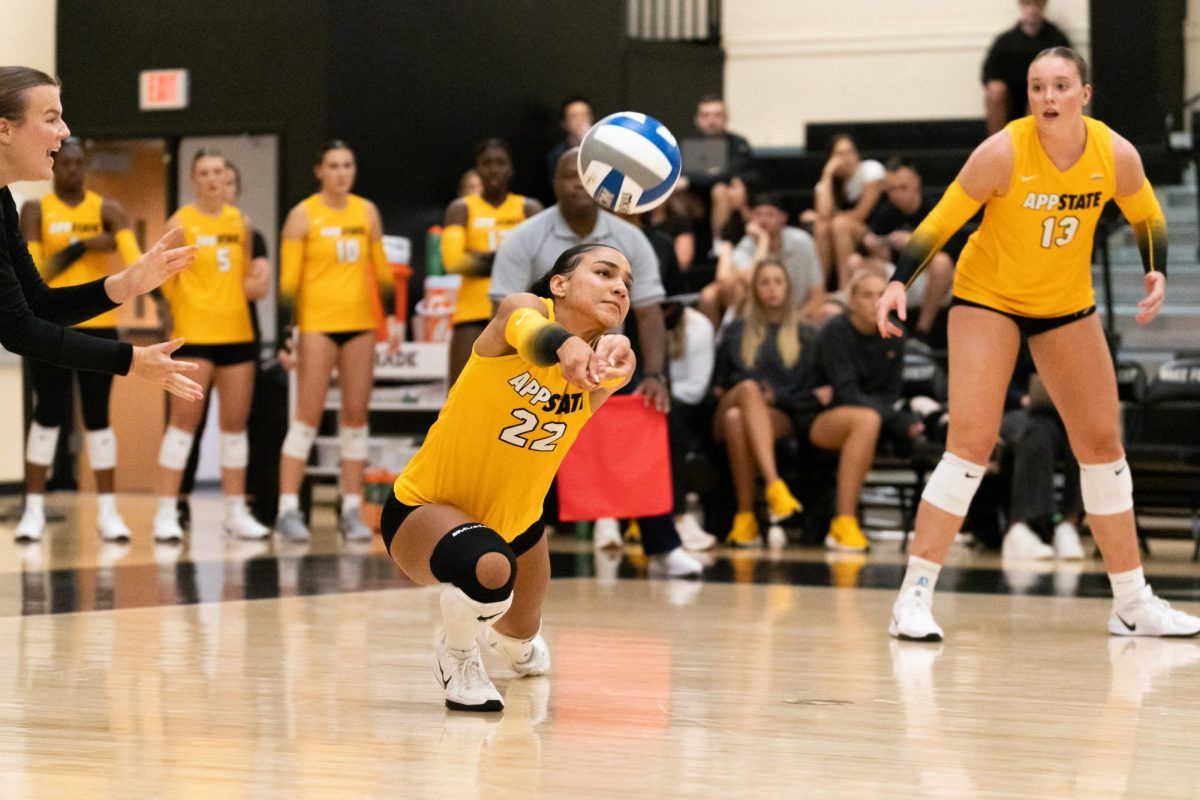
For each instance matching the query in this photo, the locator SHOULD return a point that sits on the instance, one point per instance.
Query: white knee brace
(175, 449)
(39, 448)
(953, 484)
(102, 448)
(352, 443)
(299, 440)
(235, 450)
(1106, 488)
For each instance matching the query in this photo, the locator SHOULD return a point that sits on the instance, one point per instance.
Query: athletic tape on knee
(39, 448)
(1106, 488)
(352, 443)
(175, 449)
(457, 554)
(102, 448)
(953, 484)
(235, 450)
(299, 440)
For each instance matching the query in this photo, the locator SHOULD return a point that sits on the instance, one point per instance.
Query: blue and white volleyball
(629, 162)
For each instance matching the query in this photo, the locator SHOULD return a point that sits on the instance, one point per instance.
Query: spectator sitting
(1007, 63)
(768, 236)
(575, 116)
(867, 372)
(762, 362)
(665, 219)
(730, 217)
(1036, 439)
(891, 226)
(844, 198)
(712, 155)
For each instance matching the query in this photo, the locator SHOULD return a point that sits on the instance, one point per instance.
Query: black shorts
(395, 512)
(221, 355)
(1029, 326)
(341, 337)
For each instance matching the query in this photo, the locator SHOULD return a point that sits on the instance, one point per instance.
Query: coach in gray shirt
(531, 249)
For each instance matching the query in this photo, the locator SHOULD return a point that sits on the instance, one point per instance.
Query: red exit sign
(163, 89)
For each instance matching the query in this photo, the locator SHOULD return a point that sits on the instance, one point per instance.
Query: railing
(674, 20)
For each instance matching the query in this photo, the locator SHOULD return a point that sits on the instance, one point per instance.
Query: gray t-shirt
(798, 254)
(532, 247)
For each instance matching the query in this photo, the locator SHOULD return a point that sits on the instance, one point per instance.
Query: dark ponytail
(565, 264)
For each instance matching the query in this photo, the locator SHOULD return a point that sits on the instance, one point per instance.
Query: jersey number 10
(348, 250)
(1068, 225)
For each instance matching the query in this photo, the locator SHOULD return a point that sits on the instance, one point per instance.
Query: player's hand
(580, 364)
(155, 364)
(289, 354)
(1151, 304)
(395, 336)
(615, 359)
(895, 298)
(162, 261)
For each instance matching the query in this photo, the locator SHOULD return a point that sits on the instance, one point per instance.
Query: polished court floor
(231, 670)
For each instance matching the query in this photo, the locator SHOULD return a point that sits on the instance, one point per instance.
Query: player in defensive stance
(1043, 180)
(465, 511)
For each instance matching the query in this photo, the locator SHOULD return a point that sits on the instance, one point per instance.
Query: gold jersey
(1032, 255)
(208, 300)
(487, 227)
(497, 443)
(63, 225)
(337, 290)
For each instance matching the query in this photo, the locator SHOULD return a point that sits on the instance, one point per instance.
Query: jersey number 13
(1066, 226)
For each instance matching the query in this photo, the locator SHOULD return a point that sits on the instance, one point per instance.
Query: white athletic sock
(234, 504)
(107, 503)
(167, 507)
(1126, 587)
(922, 573)
(351, 502)
(289, 502)
(465, 618)
(36, 503)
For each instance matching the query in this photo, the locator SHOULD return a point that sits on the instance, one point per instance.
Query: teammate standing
(209, 309)
(475, 226)
(1044, 180)
(71, 234)
(465, 511)
(333, 270)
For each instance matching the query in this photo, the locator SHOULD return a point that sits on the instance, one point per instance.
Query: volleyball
(629, 162)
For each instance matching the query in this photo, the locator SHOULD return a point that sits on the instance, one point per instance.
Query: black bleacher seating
(1163, 444)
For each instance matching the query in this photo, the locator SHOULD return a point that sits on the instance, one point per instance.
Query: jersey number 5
(1069, 226)
(515, 434)
(224, 260)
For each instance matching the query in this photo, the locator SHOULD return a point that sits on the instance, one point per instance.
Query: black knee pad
(456, 555)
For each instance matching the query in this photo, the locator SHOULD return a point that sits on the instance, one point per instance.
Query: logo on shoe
(442, 677)
(1130, 628)
(488, 619)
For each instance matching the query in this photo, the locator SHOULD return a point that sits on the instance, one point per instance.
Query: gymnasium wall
(791, 63)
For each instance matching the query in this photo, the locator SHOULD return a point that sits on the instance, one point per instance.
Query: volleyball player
(475, 226)
(209, 308)
(1043, 180)
(71, 234)
(333, 270)
(465, 511)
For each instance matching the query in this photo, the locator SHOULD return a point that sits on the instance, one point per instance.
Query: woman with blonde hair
(759, 380)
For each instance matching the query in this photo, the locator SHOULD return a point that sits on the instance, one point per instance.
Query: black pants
(1037, 441)
(52, 388)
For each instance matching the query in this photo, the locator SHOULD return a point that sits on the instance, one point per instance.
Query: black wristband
(66, 257)
(546, 343)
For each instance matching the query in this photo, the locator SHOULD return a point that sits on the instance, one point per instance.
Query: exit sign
(163, 89)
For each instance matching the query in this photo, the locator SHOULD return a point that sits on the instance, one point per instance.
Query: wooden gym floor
(237, 670)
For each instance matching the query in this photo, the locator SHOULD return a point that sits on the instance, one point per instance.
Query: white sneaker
(912, 617)
(607, 533)
(460, 672)
(1150, 615)
(692, 535)
(776, 538)
(242, 524)
(31, 526)
(113, 528)
(1066, 542)
(1021, 543)
(678, 563)
(526, 657)
(166, 527)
